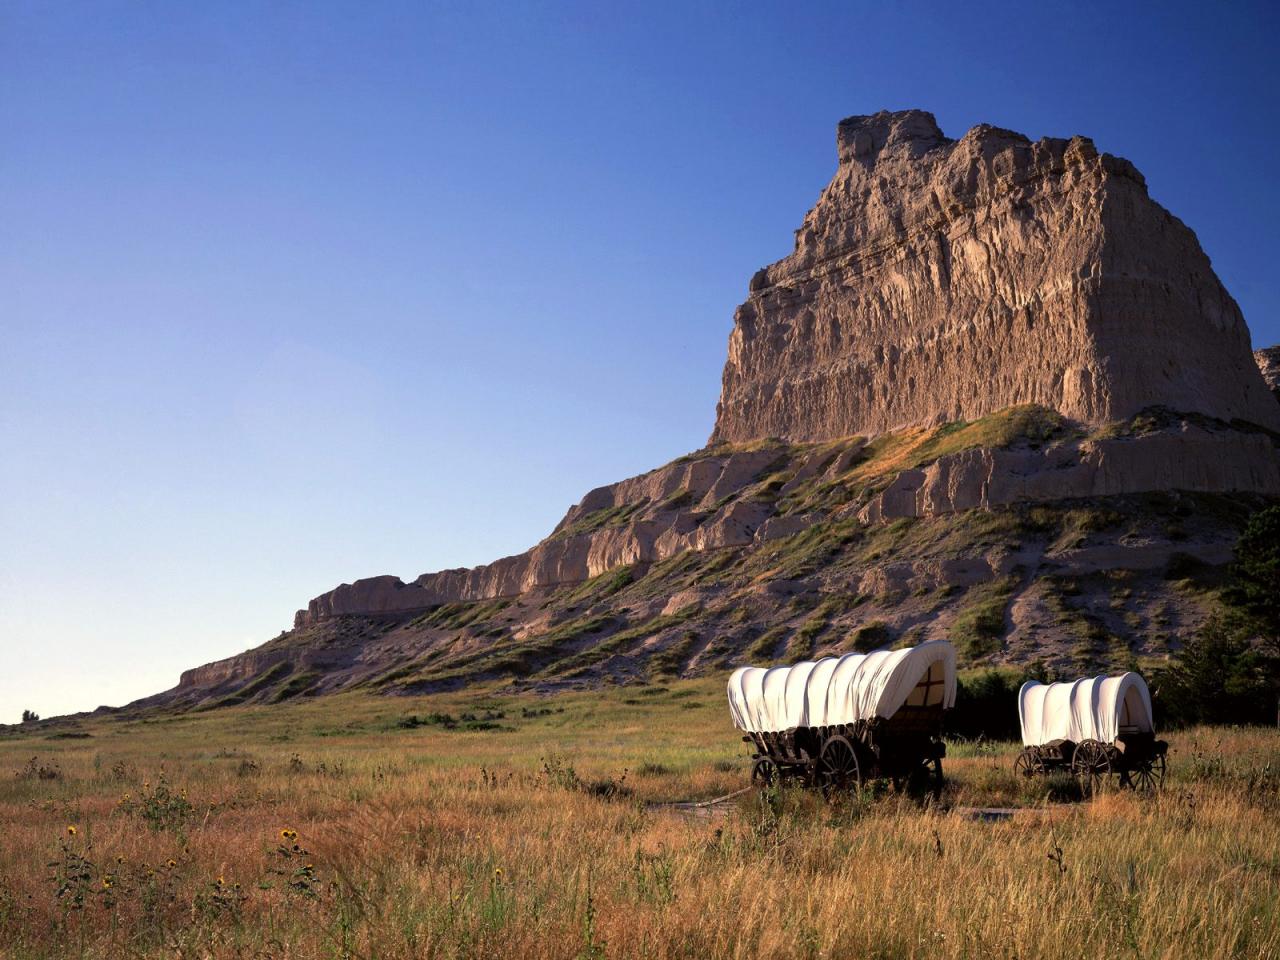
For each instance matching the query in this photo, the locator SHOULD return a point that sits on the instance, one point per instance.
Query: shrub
(763, 646)
(979, 627)
(871, 636)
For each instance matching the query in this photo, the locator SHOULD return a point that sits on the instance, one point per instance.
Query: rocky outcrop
(939, 280)
(687, 505)
(1268, 360)
(935, 280)
(1189, 459)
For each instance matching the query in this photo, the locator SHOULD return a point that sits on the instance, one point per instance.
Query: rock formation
(939, 280)
(1268, 360)
(1005, 346)
(661, 513)
(935, 280)
(1187, 458)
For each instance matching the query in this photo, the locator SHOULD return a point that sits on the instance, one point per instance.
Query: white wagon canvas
(838, 721)
(1096, 728)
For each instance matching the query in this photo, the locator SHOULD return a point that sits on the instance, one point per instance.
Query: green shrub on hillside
(979, 627)
(871, 636)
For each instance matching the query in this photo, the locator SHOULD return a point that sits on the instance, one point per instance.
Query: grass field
(496, 826)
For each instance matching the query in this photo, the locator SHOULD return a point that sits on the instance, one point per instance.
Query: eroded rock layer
(939, 280)
(719, 499)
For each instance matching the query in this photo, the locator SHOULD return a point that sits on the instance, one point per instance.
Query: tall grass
(537, 839)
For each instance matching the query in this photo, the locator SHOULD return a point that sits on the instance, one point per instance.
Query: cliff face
(1268, 360)
(939, 280)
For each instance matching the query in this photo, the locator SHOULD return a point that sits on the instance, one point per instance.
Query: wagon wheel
(764, 772)
(1091, 766)
(927, 778)
(1148, 777)
(1025, 764)
(838, 767)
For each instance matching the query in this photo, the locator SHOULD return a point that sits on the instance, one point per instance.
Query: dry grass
(525, 840)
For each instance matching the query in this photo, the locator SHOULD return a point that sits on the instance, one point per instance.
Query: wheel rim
(764, 772)
(1023, 765)
(1149, 777)
(838, 765)
(1091, 766)
(930, 774)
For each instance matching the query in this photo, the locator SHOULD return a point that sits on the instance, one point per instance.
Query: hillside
(776, 551)
(996, 394)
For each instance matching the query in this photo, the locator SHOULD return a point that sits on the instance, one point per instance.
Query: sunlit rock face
(936, 280)
(1268, 360)
(939, 280)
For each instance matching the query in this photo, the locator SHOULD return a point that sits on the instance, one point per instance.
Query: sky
(296, 293)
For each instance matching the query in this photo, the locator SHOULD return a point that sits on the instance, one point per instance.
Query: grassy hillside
(1065, 587)
(495, 825)
(837, 586)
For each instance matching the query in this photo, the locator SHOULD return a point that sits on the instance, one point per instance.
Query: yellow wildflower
(71, 830)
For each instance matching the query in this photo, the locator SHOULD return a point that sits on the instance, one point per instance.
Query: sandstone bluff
(1008, 344)
(939, 280)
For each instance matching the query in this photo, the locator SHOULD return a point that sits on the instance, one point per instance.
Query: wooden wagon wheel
(927, 778)
(1148, 777)
(838, 767)
(1091, 766)
(1026, 764)
(764, 772)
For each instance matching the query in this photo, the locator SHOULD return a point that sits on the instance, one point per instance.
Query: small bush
(35, 770)
(871, 636)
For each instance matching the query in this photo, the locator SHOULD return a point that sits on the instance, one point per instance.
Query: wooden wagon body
(1095, 729)
(838, 722)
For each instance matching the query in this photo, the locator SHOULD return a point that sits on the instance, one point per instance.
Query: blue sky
(292, 294)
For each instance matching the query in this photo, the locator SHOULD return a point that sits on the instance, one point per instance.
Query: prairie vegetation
(491, 825)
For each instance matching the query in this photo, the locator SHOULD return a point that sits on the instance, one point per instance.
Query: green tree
(1255, 575)
(1221, 675)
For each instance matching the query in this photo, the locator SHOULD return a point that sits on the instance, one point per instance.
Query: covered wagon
(1095, 728)
(839, 721)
